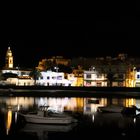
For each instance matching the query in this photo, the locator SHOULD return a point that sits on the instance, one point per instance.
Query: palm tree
(35, 74)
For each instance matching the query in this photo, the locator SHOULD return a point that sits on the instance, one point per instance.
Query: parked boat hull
(48, 120)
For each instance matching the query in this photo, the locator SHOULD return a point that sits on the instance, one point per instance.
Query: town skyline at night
(37, 35)
(23, 59)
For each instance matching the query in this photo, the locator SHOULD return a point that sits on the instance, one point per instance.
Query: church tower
(9, 59)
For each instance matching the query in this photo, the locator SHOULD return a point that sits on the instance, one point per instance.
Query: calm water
(90, 122)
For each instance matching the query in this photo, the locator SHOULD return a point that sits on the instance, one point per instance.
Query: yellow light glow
(8, 121)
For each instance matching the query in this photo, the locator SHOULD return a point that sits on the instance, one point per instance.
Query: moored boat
(110, 109)
(45, 117)
(118, 109)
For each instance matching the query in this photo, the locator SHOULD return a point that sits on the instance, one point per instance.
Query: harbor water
(91, 123)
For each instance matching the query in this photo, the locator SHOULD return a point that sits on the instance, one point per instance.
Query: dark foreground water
(91, 124)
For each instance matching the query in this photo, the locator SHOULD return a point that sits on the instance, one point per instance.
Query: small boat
(43, 116)
(110, 109)
(117, 109)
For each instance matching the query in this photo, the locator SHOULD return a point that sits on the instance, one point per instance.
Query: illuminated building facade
(21, 81)
(73, 79)
(133, 77)
(137, 77)
(59, 60)
(22, 78)
(78, 74)
(130, 77)
(44, 64)
(17, 71)
(50, 78)
(94, 78)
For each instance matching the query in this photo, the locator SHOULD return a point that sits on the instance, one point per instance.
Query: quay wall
(60, 91)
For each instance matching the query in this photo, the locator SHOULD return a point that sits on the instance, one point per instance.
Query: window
(88, 83)
(88, 76)
(138, 76)
(23, 73)
(98, 76)
(53, 78)
(120, 76)
(59, 77)
(99, 84)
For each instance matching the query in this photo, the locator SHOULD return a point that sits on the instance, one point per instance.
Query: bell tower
(9, 59)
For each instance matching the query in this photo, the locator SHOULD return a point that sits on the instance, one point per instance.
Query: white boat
(45, 117)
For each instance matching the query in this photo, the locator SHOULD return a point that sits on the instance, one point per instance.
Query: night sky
(34, 33)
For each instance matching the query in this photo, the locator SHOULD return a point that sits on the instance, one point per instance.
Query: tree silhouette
(110, 78)
(35, 74)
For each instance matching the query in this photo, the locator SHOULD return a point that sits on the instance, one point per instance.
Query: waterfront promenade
(54, 91)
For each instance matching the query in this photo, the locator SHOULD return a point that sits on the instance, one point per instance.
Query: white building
(17, 71)
(94, 78)
(50, 78)
(137, 77)
(72, 78)
(21, 81)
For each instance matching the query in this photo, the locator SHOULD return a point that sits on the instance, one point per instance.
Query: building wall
(93, 78)
(50, 78)
(59, 60)
(137, 78)
(21, 82)
(42, 65)
(16, 71)
(79, 75)
(73, 79)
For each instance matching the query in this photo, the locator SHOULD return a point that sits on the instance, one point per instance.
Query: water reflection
(41, 131)
(85, 106)
(8, 120)
(116, 123)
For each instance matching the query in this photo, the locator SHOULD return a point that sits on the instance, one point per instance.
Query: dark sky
(34, 33)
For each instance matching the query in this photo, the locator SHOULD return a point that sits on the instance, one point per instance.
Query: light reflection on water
(86, 107)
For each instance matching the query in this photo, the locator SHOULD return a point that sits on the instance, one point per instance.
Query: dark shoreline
(59, 91)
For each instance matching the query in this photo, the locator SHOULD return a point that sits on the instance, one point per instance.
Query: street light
(56, 68)
(18, 74)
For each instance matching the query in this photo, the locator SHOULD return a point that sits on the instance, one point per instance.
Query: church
(22, 78)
